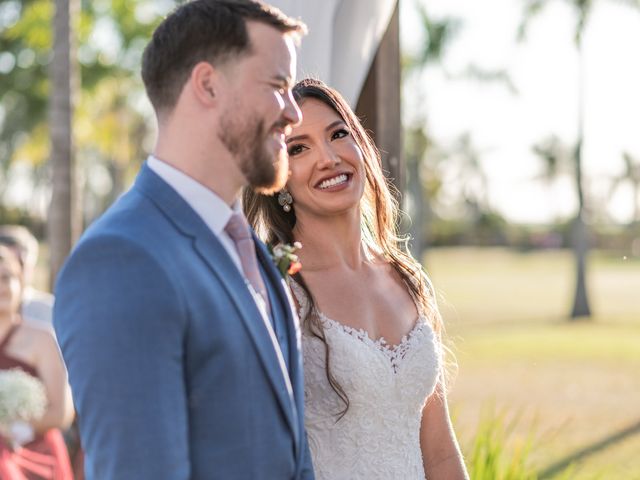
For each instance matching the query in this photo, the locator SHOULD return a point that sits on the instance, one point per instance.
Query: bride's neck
(330, 242)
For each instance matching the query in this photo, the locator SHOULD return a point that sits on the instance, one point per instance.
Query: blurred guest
(36, 305)
(33, 449)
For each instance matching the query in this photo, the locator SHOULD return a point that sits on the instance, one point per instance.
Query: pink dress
(46, 457)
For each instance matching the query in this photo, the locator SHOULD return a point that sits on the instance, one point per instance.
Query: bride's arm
(441, 455)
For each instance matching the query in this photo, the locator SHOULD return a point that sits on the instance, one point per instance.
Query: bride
(375, 399)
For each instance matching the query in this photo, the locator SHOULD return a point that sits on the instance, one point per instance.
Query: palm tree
(557, 160)
(471, 174)
(438, 35)
(64, 211)
(416, 144)
(630, 175)
(583, 10)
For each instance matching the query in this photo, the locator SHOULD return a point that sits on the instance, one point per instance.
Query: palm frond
(531, 10)
(483, 75)
(439, 35)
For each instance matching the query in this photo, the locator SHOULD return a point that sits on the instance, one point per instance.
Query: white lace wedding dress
(379, 437)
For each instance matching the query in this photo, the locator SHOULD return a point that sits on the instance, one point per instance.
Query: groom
(180, 341)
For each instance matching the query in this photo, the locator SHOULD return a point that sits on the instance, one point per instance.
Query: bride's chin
(336, 210)
(338, 201)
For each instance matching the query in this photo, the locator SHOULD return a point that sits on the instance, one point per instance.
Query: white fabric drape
(343, 39)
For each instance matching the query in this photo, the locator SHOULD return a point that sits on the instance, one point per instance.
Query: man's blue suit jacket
(173, 372)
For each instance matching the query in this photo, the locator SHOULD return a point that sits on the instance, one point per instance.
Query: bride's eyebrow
(334, 125)
(305, 136)
(296, 138)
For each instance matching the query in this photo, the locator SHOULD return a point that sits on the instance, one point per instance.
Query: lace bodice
(379, 437)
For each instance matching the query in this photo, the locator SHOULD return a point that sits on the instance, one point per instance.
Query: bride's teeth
(334, 181)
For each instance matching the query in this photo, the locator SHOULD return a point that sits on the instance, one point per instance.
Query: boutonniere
(285, 258)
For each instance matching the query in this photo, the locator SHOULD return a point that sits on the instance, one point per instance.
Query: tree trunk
(580, 232)
(580, 307)
(64, 221)
(417, 207)
(636, 202)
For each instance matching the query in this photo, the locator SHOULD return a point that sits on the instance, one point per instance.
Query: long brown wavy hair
(379, 222)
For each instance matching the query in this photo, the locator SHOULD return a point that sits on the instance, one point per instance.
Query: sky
(544, 69)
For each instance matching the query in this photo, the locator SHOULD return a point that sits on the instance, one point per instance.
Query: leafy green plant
(496, 454)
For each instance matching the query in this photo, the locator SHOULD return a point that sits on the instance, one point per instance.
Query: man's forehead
(277, 64)
(267, 40)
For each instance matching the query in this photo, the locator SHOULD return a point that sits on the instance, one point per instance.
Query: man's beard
(266, 171)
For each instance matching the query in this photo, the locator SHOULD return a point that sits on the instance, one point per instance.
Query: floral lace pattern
(395, 353)
(387, 386)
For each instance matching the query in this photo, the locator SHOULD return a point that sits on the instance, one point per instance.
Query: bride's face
(326, 164)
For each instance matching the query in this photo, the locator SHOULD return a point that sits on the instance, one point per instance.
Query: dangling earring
(285, 200)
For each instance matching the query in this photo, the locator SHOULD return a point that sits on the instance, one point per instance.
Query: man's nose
(292, 111)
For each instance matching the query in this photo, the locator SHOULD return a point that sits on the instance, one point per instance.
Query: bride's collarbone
(380, 309)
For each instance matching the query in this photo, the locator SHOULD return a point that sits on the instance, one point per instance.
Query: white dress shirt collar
(208, 205)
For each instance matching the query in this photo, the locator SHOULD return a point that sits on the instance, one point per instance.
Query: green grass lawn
(574, 385)
(570, 385)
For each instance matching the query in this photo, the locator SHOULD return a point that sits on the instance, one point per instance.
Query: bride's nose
(328, 157)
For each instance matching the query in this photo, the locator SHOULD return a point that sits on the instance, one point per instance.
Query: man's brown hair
(202, 30)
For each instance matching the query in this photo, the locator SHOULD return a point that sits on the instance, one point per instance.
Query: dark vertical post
(64, 219)
(379, 102)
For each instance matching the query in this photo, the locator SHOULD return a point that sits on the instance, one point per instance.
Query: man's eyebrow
(283, 80)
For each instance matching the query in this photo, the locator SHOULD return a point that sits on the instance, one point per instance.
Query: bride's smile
(334, 182)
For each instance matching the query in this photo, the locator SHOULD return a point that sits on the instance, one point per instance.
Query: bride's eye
(340, 133)
(295, 149)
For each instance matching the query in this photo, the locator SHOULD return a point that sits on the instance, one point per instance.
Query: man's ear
(203, 81)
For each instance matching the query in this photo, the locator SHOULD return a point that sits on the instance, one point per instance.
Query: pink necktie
(238, 229)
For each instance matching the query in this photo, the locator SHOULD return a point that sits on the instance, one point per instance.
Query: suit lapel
(293, 333)
(217, 259)
(281, 292)
(257, 325)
